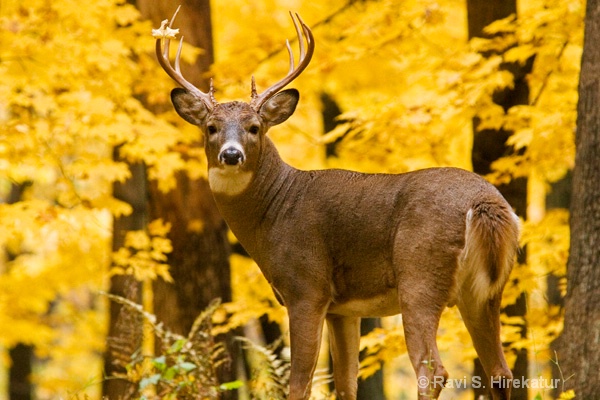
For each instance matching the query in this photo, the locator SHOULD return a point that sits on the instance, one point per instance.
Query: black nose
(231, 156)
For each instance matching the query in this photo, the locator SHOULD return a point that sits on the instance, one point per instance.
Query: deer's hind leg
(422, 302)
(344, 335)
(425, 283)
(421, 322)
(482, 320)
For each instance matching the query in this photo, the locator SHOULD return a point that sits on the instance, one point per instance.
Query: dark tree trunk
(124, 337)
(21, 355)
(580, 343)
(490, 145)
(19, 382)
(200, 258)
(481, 13)
(331, 111)
(194, 24)
(372, 387)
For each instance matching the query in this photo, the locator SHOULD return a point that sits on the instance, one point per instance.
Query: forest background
(83, 104)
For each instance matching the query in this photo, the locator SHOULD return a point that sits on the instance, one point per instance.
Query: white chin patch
(228, 180)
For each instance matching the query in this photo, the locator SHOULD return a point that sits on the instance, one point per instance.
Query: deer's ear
(188, 106)
(280, 107)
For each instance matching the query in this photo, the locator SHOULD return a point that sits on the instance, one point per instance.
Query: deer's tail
(491, 243)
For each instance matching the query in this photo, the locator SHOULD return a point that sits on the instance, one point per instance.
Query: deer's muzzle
(232, 154)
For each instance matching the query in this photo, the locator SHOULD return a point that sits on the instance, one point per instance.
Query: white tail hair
(491, 243)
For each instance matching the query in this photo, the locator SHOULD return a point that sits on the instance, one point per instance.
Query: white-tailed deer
(339, 245)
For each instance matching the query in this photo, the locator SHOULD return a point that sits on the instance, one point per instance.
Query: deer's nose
(231, 156)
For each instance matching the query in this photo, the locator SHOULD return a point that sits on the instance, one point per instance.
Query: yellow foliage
(568, 395)
(554, 37)
(73, 75)
(71, 370)
(381, 346)
(252, 297)
(144, 254)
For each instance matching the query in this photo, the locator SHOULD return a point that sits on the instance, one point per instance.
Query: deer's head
(234, 131)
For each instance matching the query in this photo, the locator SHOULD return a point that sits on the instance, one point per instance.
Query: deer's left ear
(280, 107)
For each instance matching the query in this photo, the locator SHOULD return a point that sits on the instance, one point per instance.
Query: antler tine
(178, 56)
(299, 34)
(306, 51)
(291, 55)
(162, 53)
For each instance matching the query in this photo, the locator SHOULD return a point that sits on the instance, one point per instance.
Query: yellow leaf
(126, 14)
(138, 240)
(520, 53)
(568, 395)
(502, 25)
(159, 228)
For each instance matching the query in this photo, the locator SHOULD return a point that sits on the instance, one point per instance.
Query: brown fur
(339, 245)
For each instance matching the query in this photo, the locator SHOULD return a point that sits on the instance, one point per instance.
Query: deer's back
(348, 205)
(357, 223)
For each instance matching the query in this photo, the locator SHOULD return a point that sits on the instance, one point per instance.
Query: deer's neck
(254, 211)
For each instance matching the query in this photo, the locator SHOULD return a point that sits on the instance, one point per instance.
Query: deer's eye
(253, 129)
(211, 129)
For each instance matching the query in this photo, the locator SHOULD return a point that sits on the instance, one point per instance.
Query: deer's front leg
(344, 336)
(306, 328)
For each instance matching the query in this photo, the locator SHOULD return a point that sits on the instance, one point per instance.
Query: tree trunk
(19, 375)
(194, 24)
(200, 258)
(21, 355)
(580, 341)
(489, 145)
(372, 387)
(125, 331)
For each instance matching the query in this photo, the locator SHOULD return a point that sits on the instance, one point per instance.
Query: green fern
(186, 366)
(269, 373)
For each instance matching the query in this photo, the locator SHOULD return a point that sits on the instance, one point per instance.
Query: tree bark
(124, 337)
(19, 374)
(370, 388)
(21, 355)
(194, 24)
(200, 258)
(580, 340)
(481, 13)
(489, 145)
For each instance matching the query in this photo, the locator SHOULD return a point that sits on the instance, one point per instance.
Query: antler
(305, 56)
(165, 33)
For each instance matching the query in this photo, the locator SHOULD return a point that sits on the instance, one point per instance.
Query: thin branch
(324, 21)
(547, 77)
